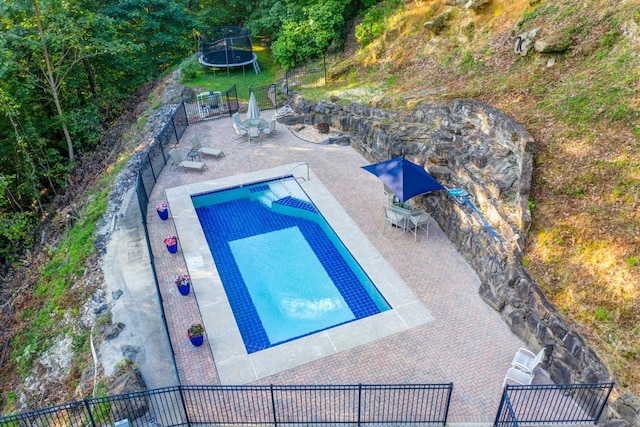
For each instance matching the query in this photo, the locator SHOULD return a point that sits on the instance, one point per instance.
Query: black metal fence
(267, 97)
(212, 105)
(305, 78)
(552, 404)
(254, 405)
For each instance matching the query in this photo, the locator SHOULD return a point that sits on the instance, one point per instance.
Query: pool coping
(232, 362)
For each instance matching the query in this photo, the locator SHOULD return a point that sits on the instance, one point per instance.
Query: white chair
(184, 164)
(417, 222)
(271, 130)
(197, 145)
(518, 377)
(255, 132)
(527, 361)
(394, 218)
(238, 128)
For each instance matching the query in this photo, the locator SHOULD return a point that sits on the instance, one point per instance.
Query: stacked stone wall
(476, 147)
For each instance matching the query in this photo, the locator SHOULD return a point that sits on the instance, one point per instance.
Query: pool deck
(463, 340)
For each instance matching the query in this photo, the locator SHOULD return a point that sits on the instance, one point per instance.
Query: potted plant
(183, 282)
(163, 210)
(196, 334)
(172, 243)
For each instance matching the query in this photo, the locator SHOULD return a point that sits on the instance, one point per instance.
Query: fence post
(184, 406)
(359, 403)
(504, 393)
(273, 406)
(446, 413)
(604, 402)
(86, 404)
(184, 109)
(324, 66)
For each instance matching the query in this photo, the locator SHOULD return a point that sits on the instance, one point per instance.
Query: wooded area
(67, 68)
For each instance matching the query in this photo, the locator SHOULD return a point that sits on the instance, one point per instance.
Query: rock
(131, 352)
(176, 93)
(438, 22)
(116, 294)
(57, 360)
(298, 128)
(525, 41)
(338, 140)
(100, 309)
(551, 45)
(124, 380)
(113, 330)
(475, 4)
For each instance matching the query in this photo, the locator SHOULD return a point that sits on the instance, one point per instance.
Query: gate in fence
(552, 404)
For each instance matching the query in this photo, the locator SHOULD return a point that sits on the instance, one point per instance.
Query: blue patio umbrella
(404, 178)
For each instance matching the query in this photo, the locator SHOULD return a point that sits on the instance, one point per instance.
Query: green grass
(207, 79)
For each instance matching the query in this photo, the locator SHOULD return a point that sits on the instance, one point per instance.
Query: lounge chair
(418, 222)
(203, 150)
(527, 361)
(184, 164)
(518, 377)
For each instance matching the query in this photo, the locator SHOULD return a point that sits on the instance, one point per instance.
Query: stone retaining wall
(473, 146)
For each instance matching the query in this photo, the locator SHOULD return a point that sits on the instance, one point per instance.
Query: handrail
(293, 168)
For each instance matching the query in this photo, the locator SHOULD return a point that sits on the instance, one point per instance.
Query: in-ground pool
(284, 270)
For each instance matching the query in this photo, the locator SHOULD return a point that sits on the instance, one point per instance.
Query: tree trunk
(51, 81)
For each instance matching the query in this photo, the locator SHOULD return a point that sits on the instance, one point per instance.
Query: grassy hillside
(581, 104)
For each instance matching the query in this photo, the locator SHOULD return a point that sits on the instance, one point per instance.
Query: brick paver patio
(467, 343)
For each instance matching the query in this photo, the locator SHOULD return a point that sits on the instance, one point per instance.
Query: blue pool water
(285, 272)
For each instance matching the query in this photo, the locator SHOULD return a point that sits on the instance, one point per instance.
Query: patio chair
(394, 218)
(527, 361)
(518, 377)
(255, 132)
(271, 130)
(204, 150)
(238, 128)
(184, 164)
(418, 222)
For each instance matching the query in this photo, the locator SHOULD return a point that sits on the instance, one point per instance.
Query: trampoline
(227, 47)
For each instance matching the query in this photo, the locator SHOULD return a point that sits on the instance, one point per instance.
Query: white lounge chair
(203, 150)
(518, 377)
(184, 164)
(526, 360)
(418, 222)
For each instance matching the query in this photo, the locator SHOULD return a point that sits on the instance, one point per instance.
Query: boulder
(127, 379)
(525, 41)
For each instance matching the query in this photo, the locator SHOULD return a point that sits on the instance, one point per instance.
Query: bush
(373, 24)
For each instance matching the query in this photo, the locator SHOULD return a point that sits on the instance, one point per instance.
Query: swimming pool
(284, 270)
(234, 364)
